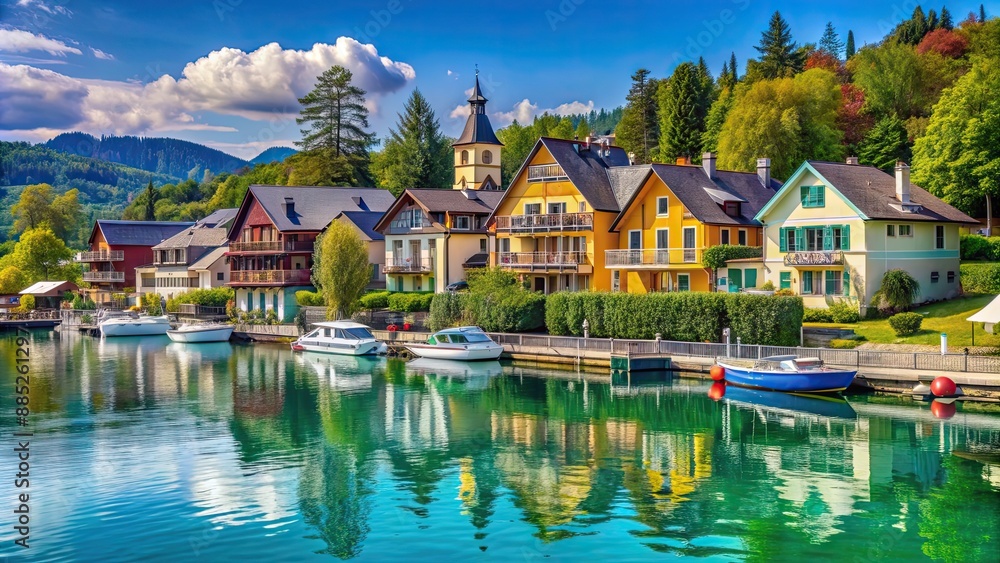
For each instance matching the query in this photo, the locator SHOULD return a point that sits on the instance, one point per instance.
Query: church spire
(477, 150)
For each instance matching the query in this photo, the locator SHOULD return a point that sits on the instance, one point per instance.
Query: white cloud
(101, 54)
(262, 85)
(20, 41)
(62, 10)
(525, 111)
(450, 73)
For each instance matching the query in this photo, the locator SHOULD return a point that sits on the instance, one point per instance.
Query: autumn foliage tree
(944, 42)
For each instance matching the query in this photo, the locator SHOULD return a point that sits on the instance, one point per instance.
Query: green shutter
(845, 237)
(828, 237)
(783, 243)
(804, 195)
(800, 239)
(786, 280)
(831, 282)
(847, 283)
(807, 282)
(820, 196)
(750, 278)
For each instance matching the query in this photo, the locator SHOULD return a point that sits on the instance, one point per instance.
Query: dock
(29, 324)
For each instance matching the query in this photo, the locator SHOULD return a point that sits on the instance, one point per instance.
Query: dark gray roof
(477, 128)
(588, 169)
(195, 236)
(625, 180)
(873, 192)
(478, 260)
(688, 183)
(457, 201)
(366, 221)
(138, 233)
(315, 206)
(219, 217)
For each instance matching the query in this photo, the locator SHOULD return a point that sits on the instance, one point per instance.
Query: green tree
(788, 120)
(830, 43)
(342, 269)
(733, 69)
(38, 204)
(336, 121)
(716, 119)
(149, 209)
(12, 280)
(42, 256)
(320, 167)
(564, 130)
(637, 132)
(416, 154)
(518, 140)
(885, 144)
(582, 130)
(849, 46)
(779, 55)
(890, 76)
(898, 291)
(944, 20)
(958, 158)
(982, 14)
(682, 113)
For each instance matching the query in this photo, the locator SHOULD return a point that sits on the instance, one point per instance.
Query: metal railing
(99, 256)
(104, 276)
(541, 260)
(270, 277)
(408, 264)
(201, 310)
(821, 258)
(651, 257)
(272, 246)
(544, 222)
(546, 173)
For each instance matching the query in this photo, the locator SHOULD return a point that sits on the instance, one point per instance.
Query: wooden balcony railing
(263, 246)
(819, 258)
(99, 256)
(651, 257)
(542, 260)
(545, 222)
(270, 277)
(408, 265)
(104, 276)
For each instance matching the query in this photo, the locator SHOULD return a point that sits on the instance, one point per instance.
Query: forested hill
(273, 154)
(173, 157)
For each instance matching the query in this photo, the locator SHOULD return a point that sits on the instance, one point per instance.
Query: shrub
(27, 302)
(846, 344)
(817, 316)
(86, 319)
(899, 290)
(410, 302)
(764, 319)
(306, 298)
(215, 297)
(767, 286)
(783, 292)
(980, 278)
(716, 256)
(976, 247)
(490, 279)
(445, 311)
(512, 310)
(83, 303)
(844, 312)
(556, 313)
(905, 324)
(375, 300)
(151, 303)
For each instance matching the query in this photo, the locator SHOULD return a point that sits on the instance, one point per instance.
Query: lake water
(148, 450)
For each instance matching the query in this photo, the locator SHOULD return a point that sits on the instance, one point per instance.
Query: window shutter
(828, 237)
(831, 280)
(847, 283)
(800, 239)
(803, 194)
(783, 236)
(845, 237)
(820, 196)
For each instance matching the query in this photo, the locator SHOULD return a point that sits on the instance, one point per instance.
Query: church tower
(477, 150)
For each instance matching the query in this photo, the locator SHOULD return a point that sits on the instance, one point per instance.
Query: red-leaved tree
(850, 118)
(944, 42)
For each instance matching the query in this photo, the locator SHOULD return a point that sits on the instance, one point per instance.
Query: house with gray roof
(179, 263)
(272, 237)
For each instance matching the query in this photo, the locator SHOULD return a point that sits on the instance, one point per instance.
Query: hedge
(307, 298)
(410, 302)
(683, 316)
(215, 297)
(716, 256)
(375, 300)
(980, 278)
(445, 311)
(978, 247)
(905, 324)
(509, 310)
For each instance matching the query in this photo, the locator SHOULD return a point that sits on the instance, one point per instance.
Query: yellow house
(554, 221)
(835, 229)
(676, 212)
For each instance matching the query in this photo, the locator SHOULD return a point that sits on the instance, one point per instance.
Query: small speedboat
(340, 337)
(134, 326)
(201, 333)
(467, 343)
(789, 374)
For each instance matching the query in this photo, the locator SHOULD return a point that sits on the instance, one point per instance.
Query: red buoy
(717, 390)
(718, 373)
(942, 410)
(943, 387)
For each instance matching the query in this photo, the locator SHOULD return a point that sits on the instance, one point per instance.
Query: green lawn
(947, 317)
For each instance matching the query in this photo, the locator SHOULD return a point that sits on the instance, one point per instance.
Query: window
(557, 207)
(785, 280)
(634, 240)
(807, 283)
(487, 157)
(812, 196)
(482, 245)
(662, 206)
(838, 238)
(834, 283)
(790, 240)
(583, 207)
(683, 282)
(532, 208)
(465, 157)
(616, 281)
(221, 276)
(905, 231)
(724, 236)
(741, 237)
(461, 222)
(662, 238)
(890, 230)
(814, 239)
(732, 208)
(939, 237)
(951, 277)
(935, 277)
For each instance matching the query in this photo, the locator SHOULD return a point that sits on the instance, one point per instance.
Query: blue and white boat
(789, 374)
(340, 337)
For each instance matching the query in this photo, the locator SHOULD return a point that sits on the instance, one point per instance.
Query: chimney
(852, 160)
(586, 144)
(288, 207)
(902, 182)
(764, 171)
(708, 163)
(683, 160)
(360, 203)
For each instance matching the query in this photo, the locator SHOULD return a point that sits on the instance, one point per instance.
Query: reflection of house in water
(259, 383)
(415, 421)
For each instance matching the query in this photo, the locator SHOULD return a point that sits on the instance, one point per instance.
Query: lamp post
(586, 328)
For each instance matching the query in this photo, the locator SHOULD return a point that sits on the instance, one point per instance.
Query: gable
(788, 203)
(257, 217)
(646, 198)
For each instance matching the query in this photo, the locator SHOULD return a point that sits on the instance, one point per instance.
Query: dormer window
(460, 222)
(732, 208)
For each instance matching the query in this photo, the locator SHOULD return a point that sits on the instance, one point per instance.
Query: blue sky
(226, 72)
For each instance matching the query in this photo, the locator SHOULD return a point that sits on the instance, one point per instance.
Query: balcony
(819, 258)
(651, 258)
(568, 260)
(546, 173)
(270, 277)
(408, 265)
(270, 246)
(545, 222)
(105, 277)
(100, 256)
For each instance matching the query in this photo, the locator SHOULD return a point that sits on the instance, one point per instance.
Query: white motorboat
(134, 326)
(201, 333)
(340, 337)
(466, 343)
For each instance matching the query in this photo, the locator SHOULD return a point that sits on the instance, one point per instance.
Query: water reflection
(372, 458)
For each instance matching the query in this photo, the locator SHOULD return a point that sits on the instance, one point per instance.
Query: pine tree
(416, 154)
(932, 21)
(582, 130)
(336, 121)
(682, 113)
(849, 47)
(885, 144)
(732, 66)
(830, 42)
(150, 209)
(982, 14)
(944, 20)
(780, 56)
(637, 132)
(725, 78)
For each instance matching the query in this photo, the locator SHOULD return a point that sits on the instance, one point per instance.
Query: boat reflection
(199, 352)
(793, 404)
(343, 373)
(475, 375)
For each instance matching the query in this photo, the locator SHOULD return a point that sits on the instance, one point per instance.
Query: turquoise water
(149, 450)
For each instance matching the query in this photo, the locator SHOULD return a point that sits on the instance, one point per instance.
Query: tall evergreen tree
(849, 46)
(733, 68)
(336, 121)
(725, 78)
(416, 154)
(582, 130)
(982, 14)
(149, 213)
(932, 20)
(830, 42)
(779, 55)
(716, 119)
(944, 20)
(885, 144)
(637, 132)
(682, 113)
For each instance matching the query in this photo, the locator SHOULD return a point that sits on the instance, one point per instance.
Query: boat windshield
(359, 333)
(477, 337)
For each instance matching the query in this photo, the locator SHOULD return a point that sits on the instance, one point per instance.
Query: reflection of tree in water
(335, 498)
(951, 534)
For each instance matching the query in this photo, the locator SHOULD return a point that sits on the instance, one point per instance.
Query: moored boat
(201, 333)
(789, 374)
(467, 343)
(340, 337)
(134, 326)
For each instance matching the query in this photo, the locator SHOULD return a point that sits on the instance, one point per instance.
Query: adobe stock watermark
(900, 12)
(563, 11)
(713, 29)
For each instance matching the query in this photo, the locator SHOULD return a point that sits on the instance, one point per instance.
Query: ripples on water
(150, 450)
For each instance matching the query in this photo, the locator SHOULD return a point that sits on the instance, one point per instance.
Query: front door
(689, 250)
(735, 280)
